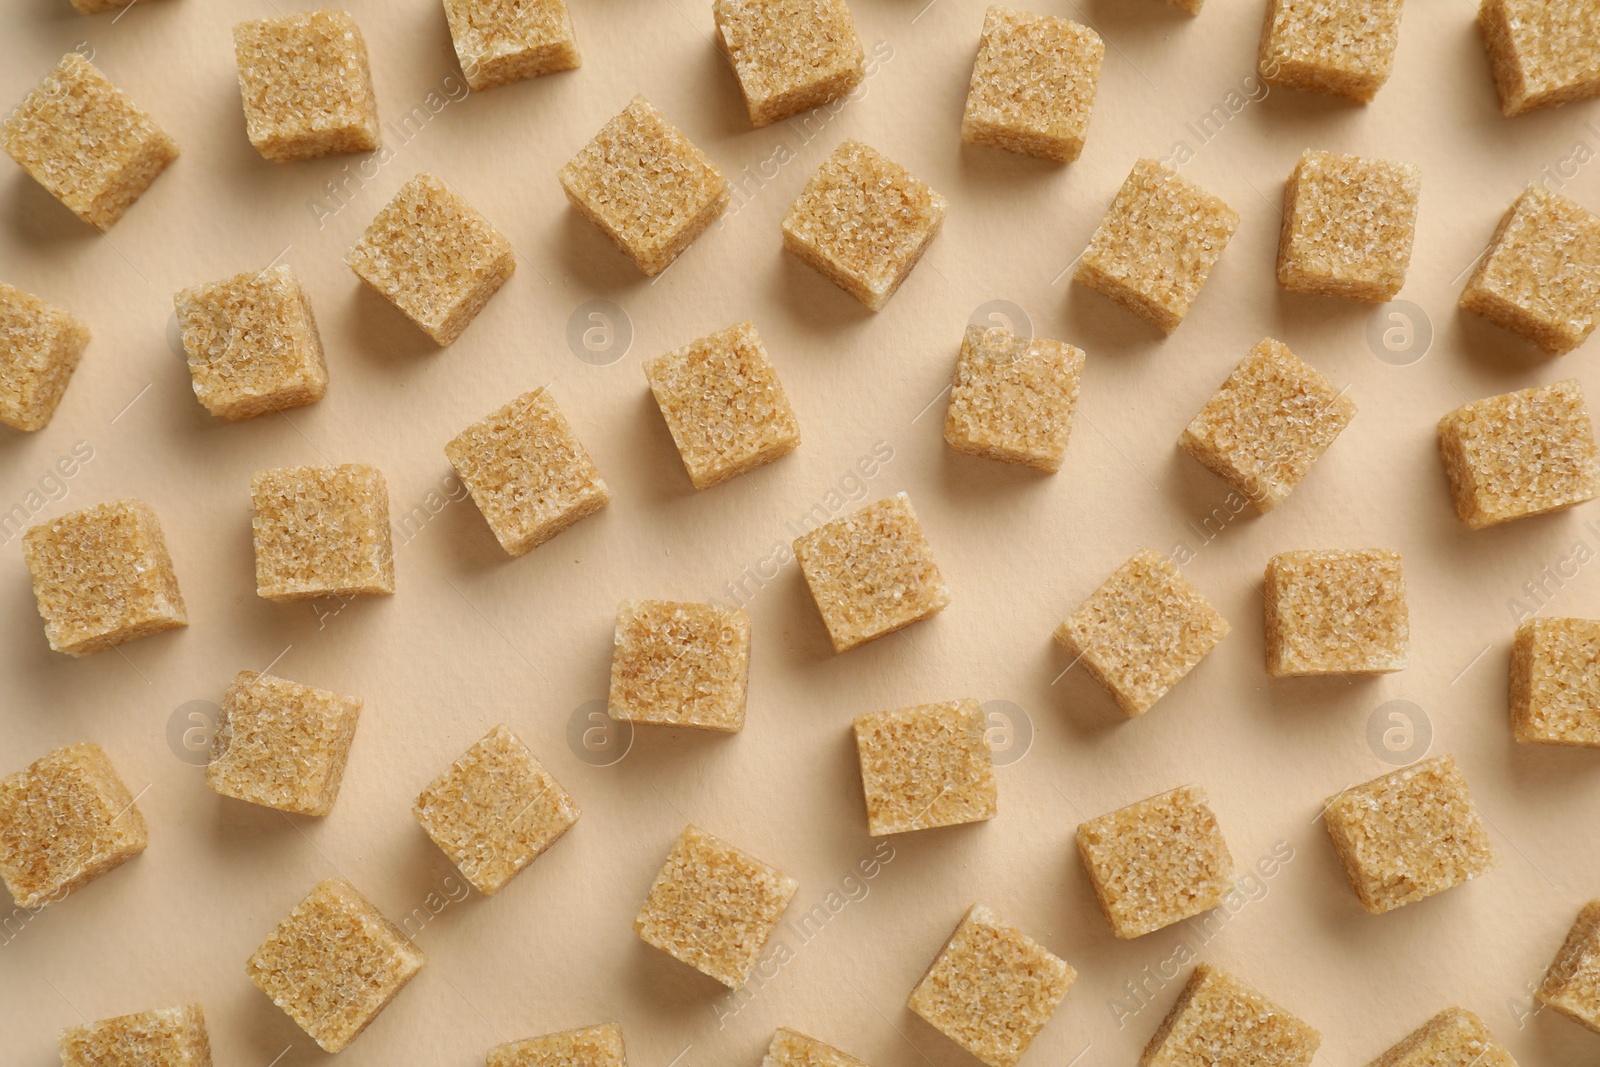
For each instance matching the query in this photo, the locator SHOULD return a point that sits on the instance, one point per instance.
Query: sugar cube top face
(322, 531)
(1157, 244)
(871, 572)
(1033, 85)
(1572, 983)
(1336, 611)
(1272, 419)
(592, 1046)
(1156, 862)
(1543, 52)
(863, 222)
(926, 766)
(1337, 47)
(1142, 631)
(1408, 834)
(1540, 278)
(527, 472)
(1520, 454)
(306, 87)
(168, 1037)
(65, 820)
(676, 664)
(992, 988)
(1012, 397)
(1348, 225)
(1453, 1037)
(81, 138)
(40, 345)
(645, 185)
(433, 256)
(501, 41)
(252, 343)
(724, 405)
(1220, 1020)
(790, 1048)
(334, 963)
(1555, 682)
(714, 907)
(282, 744)
(789, 55)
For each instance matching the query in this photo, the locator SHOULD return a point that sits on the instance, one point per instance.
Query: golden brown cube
(1336, 611)
(1543, 52)
(1033, 85)
(1453, 1038)
(501, 41)
(1220, 1020)
(1555, 682)
(992, 988)
(790, 1048)
(1572, 983)
(306, 87)
(1337, 47)
(926, 766)
(40, 345)
(1012, 397)
(789, 55)
(322, 531)
(282, 744)
(1348, 225)
(863, 222)
(167, 1037)
(592, 1046)
(679, 664)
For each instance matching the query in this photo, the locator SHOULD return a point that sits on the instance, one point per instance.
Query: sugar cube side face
(166, 1037)
(1192, 7)
(1571, 984)
(789, 56)
(282, 744)
(1542, 54)
(322, 531)
(1453, 1036)
(791, 1048)
(1555, 682)
(503, 41)
(926, 766)
(1336, 611)
(306, 86)
(680, 664)
(1348, 226)
(86, 142)
(591, 1046)
(40, 345)
(1220, 1019)
(1012, 397)
(1033, 85)
(863, 221)
(1341, 48)
(65, 820)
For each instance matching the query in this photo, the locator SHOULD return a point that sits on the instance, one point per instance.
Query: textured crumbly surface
(645, 186)
(1156, 862)
(1572, 983)
(495, 810)
(1453, 1038)
(1336, 611)
(433, 256)
(714, 907)
(40, 345)
(679, 664)
(871, 572)
(334, 963)
(1142, 631)
(168, 1037)
(1220, 1020)
(102, 576)
(790, 1048)
(863, 222)
(1555, 682)
(1033, 85)
(305, 84)
(1543, 52)
(1408, 834)
(1012, 397)
(282, 744)
(252, 343)
(722, 400)
(500, 41)
(527, 472)
(1520, 454)
(926, 766)
(1271, 420)
(65, 820)
(1338, 47)
(322, 531)
(592, 1046)
(992, 988)
(1540, 278)
(1157, 244)
(789, 55)
(81, 138)
(1348, 225)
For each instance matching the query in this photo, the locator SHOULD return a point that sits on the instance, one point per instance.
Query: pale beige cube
(166, 1037)
(322, 531)
(282, 744)
(1033, 85)
(1336, 611)
(1555, 682)
(502, 41)
(1453, 1038)
(1348, 226)
(680, 664)
(791, 1048)
(40, 345)
(590, 1046)
(1544, 53)
(789, 55)
(926, 766)
(1572, 981)
(1012, 397)
(1219, 1020)
(306, 85)
(1341, 48)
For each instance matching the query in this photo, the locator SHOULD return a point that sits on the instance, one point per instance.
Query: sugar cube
(1192, 7)
(40, 345)
(322, 531)
(282, 744)
(1220, 1020)
(677, 664)
(592, 1046)
(1012, 397)
(790, 1048)
(1337, 47)
(167, 1037)
(789, 55)
(502, 41)
(1033, 85)
(1453, 1038)
(1348, 224)
(95, 7)
(1336, 611)
(306, 87)
(926, 766)
(1543, 52)
(1572, 983)
(1555, 682)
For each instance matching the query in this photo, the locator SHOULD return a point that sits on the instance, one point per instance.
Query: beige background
(473, 638)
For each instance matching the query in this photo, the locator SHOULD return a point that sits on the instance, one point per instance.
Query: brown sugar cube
(1337, 47)
(645, 185)
(1142, 631)
(926, 766)
(1520, 454)
(1540, 278)
(252, 343)
(282, 744)
(863, 222)
(1453, 1038)
(502, 41)
(1156, 862)
(81, 138)
(1033, 85)
(680, 665)
(168, 1037)
(723, 402)
(40, 345)
(1272, 419)
(322, 531)
(495, 810)
(992, 988)
(102, 576)
(1408, 834)
(1543, 52)
(1555, 682)
(65, 820)
(714, 907)
(433, 256)
(1348, 224)
(592, 1046)
(1220, 1020)
(1572, 983)
(306, 87)
(1336, 611)
(790, 1048)
(1157, 244)
(789, 55)
(527, 472)
(871, 572)
(1191, 6)
(1012, 397)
